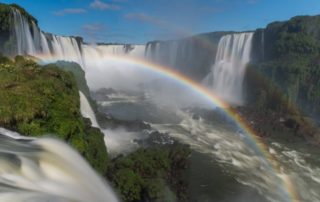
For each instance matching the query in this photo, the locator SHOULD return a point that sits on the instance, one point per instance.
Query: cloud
(144, 18)
(99, 5)
(93, 28)
(93, 31)
(69, 11)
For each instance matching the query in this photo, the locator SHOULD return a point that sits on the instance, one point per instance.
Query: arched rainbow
(212, 98)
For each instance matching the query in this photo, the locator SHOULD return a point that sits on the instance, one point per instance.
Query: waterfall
(164, 53)
(86, 110)
(120, 49)
(43, 169)
(31, 40)
(66, 48)
(229, 69)
(25, 42)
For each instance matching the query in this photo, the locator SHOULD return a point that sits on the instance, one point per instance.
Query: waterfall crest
(227, 74)
(46, 170)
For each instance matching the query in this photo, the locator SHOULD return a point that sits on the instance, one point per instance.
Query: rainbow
(208, 95)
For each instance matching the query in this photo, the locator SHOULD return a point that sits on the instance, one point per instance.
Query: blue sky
(139, 21)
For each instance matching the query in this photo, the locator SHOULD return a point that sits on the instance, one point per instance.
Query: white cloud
(100, 5)
(69, 11)
(144, 18)
(93, 31)
(95, 27)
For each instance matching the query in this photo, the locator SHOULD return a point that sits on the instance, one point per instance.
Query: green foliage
(289, 72)
(129, 183)
(298, 36)
(79, 75)
(150, 173)
(6, 19)
(36, 101)
(95, 149)
(281, 83)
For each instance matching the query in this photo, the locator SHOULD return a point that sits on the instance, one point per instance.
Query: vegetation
(151, 174)
(5, 18)
(285, 75)
(36, 101)
(289, 69)
(78, 73)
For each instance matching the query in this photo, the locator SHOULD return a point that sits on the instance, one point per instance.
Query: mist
(121, 141)
(125, 77)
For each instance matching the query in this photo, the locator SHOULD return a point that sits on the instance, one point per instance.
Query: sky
(140, 21)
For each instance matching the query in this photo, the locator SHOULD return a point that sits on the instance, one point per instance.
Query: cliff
(37, 101)
(285, 72)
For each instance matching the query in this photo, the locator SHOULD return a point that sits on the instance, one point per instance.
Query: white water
(32, 41)
(166, 53)
(66, 48)
(132, 50)
(233, 154)
(25, 42)
(46, 170)
(86, 110)
(226, 77)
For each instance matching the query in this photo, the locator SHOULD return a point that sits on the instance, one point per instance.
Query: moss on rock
(36, 101)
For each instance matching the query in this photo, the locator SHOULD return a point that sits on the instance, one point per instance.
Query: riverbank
(284, 127)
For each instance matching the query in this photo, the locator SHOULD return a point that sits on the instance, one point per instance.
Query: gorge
(175, 106)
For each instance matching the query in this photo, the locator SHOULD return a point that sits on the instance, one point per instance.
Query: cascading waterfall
(32, 41)
(165, 54)
(226, 78)
(66, 48)
(86, 110)
(25, 42)
(104, 50)
(46, 170)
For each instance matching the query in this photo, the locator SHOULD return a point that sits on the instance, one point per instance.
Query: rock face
(286, 67)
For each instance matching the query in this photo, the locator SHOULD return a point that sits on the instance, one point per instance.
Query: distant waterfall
(121, 49)
(31, 40)
(226, 78)
(164, 53)
(43, 169)
(86, 110)
(66, 48)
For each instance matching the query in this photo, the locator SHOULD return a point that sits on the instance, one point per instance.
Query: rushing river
(224, 167)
